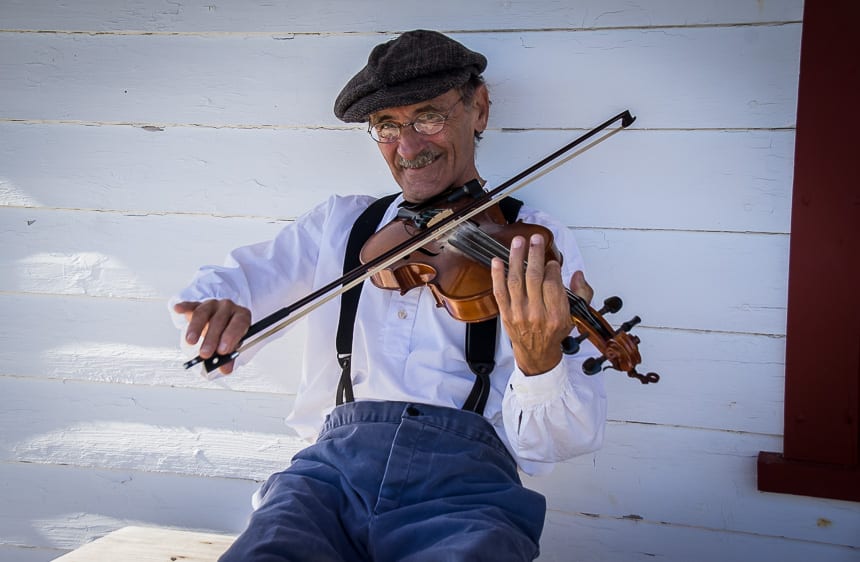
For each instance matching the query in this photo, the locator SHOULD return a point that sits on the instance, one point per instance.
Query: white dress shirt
(405, 348)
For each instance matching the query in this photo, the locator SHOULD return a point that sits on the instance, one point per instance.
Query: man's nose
(411, 143)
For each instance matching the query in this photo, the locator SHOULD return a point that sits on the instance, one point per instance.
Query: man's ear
(481, 103)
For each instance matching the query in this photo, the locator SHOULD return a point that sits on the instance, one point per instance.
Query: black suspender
(480, 336)
(363, 228)
(480, 354)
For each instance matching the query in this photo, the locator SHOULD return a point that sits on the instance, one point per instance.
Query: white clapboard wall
(139, 140)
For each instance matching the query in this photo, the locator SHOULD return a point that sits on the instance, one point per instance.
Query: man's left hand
(533, 304)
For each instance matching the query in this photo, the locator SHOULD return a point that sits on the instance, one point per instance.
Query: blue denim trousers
(393, 481)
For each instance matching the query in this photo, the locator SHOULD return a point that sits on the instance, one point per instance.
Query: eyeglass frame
(371, 127)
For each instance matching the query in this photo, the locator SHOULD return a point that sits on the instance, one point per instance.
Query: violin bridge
(441, 215)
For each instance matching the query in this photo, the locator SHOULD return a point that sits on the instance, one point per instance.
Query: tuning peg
(570, 344)
(591, 366)
(627, 326)
(611, 305)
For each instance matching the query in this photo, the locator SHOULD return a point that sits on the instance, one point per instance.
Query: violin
(456, 270)
(480, 233)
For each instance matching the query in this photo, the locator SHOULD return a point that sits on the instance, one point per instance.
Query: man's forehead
(434, 104)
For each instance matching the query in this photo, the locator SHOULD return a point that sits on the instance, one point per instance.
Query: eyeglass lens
(425, 124)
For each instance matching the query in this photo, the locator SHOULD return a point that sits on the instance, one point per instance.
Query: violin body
(455, 269)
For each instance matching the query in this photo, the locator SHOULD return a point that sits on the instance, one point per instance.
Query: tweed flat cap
(419, 65)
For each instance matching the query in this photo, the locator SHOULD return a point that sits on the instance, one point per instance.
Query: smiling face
(426, 165)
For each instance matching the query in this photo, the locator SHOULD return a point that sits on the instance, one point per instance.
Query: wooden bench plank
(152, 544)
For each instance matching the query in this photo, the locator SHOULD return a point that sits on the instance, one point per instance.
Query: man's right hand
(221, 323)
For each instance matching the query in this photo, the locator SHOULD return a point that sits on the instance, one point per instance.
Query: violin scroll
(618, 347)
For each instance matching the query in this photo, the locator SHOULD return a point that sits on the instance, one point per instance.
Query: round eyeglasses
(428, 123)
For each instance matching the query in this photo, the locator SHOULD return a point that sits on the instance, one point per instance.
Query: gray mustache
(425, 158)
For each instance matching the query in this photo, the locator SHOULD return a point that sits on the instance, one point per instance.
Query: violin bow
(286, 316)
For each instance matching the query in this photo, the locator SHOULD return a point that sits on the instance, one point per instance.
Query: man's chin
(421, 184)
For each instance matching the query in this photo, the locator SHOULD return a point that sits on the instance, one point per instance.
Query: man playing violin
(403, 469)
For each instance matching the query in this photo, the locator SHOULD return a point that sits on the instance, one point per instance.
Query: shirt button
(402, 314)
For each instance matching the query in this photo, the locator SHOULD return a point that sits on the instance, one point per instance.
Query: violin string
(488, 248)
(482, 247)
